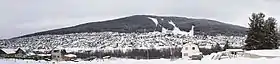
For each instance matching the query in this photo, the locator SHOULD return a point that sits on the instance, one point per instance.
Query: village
(189, 52)
(123, 45)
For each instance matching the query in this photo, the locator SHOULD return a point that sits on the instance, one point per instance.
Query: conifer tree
(217, 47)
(271, 38)
(262, 33)
(226, 46)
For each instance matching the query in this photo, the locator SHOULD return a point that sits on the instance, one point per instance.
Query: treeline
(140, 53)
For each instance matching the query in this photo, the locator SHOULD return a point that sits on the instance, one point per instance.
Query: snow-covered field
(20, 61)
(152, 61)
(239, 60)
(274, 53)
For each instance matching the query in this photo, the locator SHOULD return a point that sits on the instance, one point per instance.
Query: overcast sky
(19, 17)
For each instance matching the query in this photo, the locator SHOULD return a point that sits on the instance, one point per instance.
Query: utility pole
(148, 54)
(171, 51)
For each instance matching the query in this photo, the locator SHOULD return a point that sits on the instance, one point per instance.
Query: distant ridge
(144, 23)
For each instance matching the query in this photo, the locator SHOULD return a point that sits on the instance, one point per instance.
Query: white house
(189, 50)
(58, 54)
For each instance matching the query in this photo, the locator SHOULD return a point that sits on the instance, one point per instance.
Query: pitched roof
(43, 54)
(12, 51)
(9, 51)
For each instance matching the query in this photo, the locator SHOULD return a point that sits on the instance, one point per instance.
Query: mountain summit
(149, 23)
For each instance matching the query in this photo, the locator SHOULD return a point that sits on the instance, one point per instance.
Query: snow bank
(19, 61)
(152, 61)
(275, 53)
(133, 61)
(242, 61)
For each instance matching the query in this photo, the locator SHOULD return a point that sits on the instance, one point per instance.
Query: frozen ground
(153, 61)
(275, 53)
(19, 61)
(239, 60)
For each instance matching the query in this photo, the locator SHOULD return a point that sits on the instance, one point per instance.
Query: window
(185, 54)
(186, 48)
(55, 50)
(193, 48)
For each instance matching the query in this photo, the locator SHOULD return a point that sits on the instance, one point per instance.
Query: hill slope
(148, 23)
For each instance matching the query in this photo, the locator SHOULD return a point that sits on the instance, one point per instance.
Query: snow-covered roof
(206, 46)
(70, 55)
(189, 44)
(9, 51)
(68, 50)
(58, 48)
(41, 50)
(234, 50)
(43, 54)
(30, 54)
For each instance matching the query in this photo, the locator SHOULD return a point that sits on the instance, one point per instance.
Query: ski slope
(176, 30)
(154, 20)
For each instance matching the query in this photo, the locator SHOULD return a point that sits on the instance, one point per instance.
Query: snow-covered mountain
(148, 23)
(135, 34)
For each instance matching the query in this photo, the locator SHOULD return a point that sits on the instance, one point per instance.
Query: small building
(60, 54)
(20, 53)
(191, 51)
(7, 52)
(57, 54)
(13, 53)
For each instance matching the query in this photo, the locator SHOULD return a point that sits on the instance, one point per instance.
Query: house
(60, 54)
(7, 52)
(57, 54)
(191, 51)
(13, 53)
(20, 53)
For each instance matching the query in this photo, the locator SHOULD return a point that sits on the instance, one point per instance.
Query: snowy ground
(238, 60)
(153, 61)
(19, 61)
(275, 53)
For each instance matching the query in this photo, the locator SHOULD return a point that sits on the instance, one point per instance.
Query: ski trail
(154, 20)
